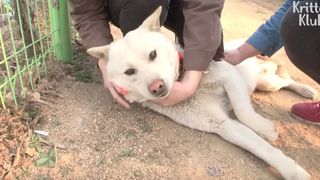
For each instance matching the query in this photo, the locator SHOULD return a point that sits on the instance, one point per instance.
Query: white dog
(145, 63)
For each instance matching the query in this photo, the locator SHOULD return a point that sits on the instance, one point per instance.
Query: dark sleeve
(202, 32)
(91, 21)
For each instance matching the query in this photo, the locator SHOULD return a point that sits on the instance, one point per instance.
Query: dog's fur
(223, 88)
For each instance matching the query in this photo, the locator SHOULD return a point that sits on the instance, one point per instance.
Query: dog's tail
(281, 70)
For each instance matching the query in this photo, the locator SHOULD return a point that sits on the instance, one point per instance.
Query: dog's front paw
(266, 129)
(308, 92)
(296, 173)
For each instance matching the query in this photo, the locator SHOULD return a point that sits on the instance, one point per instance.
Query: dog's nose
(157, 88)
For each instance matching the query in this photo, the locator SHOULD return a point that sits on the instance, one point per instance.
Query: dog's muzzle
(158, 88)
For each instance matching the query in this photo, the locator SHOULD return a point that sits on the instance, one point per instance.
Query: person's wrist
(246, 51)
(192, 78)
(103, 67)
(239, 55)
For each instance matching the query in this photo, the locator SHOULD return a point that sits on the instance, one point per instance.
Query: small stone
(98, 147)
(36, 95)
(241, 160)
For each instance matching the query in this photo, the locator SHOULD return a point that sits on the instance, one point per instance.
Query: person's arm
(91, 21)
(202, 37)
(201, 33)
(266, 39)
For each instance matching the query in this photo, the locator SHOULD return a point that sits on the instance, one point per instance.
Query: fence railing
(33, 33)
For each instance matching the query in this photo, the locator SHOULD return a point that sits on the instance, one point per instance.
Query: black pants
(129, 14)
(302, 42)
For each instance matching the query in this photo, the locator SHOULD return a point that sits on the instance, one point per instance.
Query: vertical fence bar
(62, 38)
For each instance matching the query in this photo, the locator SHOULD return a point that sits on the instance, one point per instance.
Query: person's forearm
(267, 38)
(247, 51)
(193, 78)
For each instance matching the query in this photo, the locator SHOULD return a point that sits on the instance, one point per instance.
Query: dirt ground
(106, 141)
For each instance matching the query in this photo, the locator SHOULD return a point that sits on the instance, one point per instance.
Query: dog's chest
(211, 87)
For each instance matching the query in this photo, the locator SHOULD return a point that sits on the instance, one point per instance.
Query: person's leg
(302, 46)
(175, 20)
(129, 14)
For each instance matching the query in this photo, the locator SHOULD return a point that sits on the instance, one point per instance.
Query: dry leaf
(17, 157)
(26, 164)
(30, 151)
(9, 176)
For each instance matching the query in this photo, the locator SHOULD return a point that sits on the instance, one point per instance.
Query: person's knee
(299, 17)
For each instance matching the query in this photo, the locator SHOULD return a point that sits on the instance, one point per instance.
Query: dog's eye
(130, 72)
(152, 55)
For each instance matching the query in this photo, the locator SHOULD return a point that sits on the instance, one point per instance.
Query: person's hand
(182, 90)
(233, 56)
(114, 90)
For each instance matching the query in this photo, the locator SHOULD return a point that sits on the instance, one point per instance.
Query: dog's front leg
(188, 114)
(240, 100)
(240, 135)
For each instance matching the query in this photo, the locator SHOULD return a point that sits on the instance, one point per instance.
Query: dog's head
(144, 63)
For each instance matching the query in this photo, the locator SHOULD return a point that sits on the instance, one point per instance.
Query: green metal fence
(33, 33)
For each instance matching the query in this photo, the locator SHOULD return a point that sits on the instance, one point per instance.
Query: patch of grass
(121, 130)
(65, 170)
(150, 159)
(71, 63)
(25, 173)
(130, 133)
(84, 77)
(100, 161)
(35, 142)
(55, 123)
(47, 159)
(137, 173)
(125, 153)
(71, 141)
(45, 178)
(145, 128)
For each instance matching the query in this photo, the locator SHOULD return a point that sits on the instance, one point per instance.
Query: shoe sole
(305, 121)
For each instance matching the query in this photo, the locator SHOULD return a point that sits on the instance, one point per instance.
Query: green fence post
(60, 23)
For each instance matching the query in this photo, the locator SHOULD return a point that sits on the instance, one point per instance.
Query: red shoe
(307, 112)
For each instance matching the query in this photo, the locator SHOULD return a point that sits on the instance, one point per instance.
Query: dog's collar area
(181, 70)
(217, 59)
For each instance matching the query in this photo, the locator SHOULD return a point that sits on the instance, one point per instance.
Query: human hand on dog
(233, 56)
(110, 86)
(244, 51)
(182, 90)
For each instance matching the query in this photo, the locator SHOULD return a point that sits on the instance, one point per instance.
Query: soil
(107, 141)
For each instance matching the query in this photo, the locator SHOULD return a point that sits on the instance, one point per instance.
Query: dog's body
(223, 88)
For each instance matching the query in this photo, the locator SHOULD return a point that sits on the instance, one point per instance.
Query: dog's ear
(152, 23)
(100, 52)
